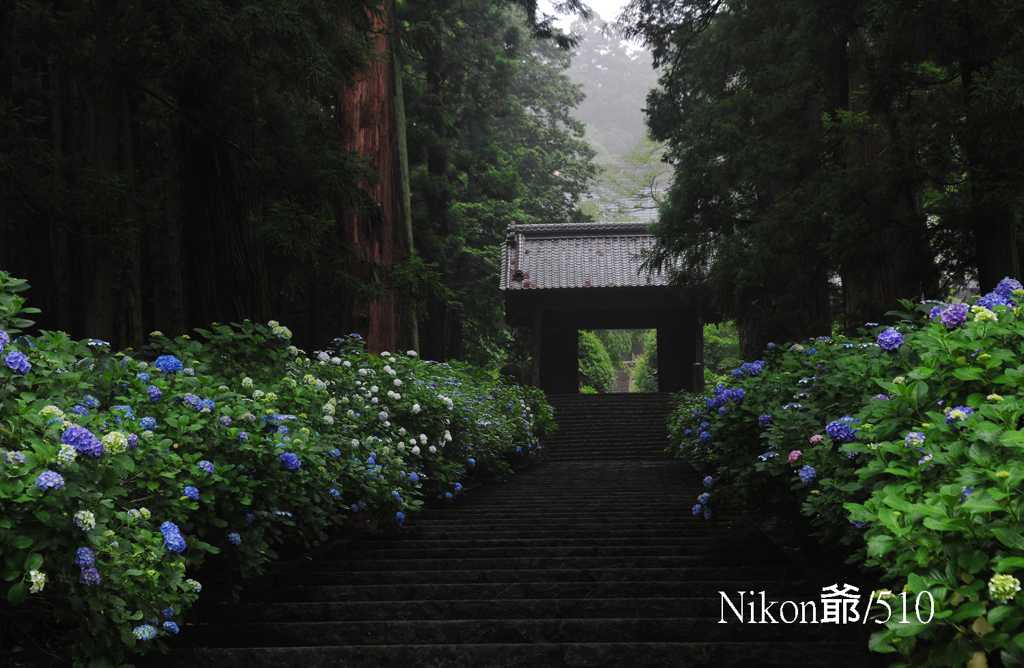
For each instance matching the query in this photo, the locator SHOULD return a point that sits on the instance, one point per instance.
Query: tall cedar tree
(491, 141)
(780, 181)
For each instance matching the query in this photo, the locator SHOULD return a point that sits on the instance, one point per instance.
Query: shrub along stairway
(590, 559)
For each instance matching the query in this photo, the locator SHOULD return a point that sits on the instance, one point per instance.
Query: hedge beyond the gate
(120, 473)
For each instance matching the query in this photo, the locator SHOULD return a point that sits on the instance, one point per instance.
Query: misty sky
(608, 9)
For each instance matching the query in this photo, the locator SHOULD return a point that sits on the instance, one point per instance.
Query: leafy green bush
(120, 476)
(594, 362)
(905, 444)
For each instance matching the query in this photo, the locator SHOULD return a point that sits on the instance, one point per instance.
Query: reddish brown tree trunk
(367, 118)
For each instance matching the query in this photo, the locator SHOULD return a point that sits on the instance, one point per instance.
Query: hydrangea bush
(907, 445)
(120, 476)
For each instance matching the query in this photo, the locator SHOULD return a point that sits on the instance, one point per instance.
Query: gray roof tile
(577, 255)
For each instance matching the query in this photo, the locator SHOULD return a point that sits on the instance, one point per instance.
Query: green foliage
(631, 184)
(594, 362)
(620, 343)
(911, 457)
(645, 371)
(721, 348)
(253, 445)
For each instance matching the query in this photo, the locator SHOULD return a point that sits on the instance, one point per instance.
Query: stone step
(783, 654)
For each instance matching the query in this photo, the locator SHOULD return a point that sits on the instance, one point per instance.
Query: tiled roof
(576, 255)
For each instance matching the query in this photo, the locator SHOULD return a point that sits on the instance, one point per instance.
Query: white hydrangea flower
(38, 579)
(328, 419)
(363, 372)
(416, 409)
(85, 520)
(66, 455)
(432, 449)
(423, 439)
(401, 431)
(52, 412)
(416, 450)
(385, 354)
(447, 436)
(335, 360)
(387, 367)
(374, 400)
(247, 382)
(397, 396)
(398, 382)
(355, 442)
(412, 441)
(410, 353)
(346, 363)
(391, 394)
(256, 394)
(374, 389)
(115, 442)
(323, 357)
(351, 413)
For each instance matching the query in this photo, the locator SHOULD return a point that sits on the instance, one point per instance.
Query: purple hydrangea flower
(860, 525)
(696, 510)
(738, 394)
(168, 364)
(192, 493)
(954, 316)
(709, 481)
(242, 436)
(764, 420)
(290, 461)
(154, 393)
(704, 498)
(937, 311)
(18, 362)
(205, 465)
(250, 518)
(994, 299)
(90, 576)
(49, 479)
(133, 440)
(192, 401)
(890, 339)
(82, 440)
(5, 340)
(724, 410)
(84, 557)
(807, 474)
(225, 420)
(172, 537)
(965, 492)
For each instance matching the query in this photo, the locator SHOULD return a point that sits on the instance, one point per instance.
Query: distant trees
(819, 144)
(594, 362)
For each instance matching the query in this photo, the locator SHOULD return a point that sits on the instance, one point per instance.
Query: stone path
(590, 559)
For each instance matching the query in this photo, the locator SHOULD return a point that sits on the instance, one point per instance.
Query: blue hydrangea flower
(724, 410)
(225, 420)
(14, 458)
(242, 436)
(764, 420)
(1006, 287)
(890, 339)
(148, 423)
(937, 311)
(90, 576)
(707, 512)
(154, 393)
(471, 462)
(82, 440)
(250, 518)
(170, 627)
(143, 376)
(192, 493)
(708, 481)
(205, 465)
(335, 494)
(5, 340)
(290, 461)
(234, 539)
(355, 508)
(958, 414)
(860, 525)
(400, 517)
(18, 362)
(79, 409)
(84, 557)
(169, 612)
(696, 510)
(704, 498)
(448, 495)
(458, 487)
(807, 474)
(90, 401)
(168, 364)
(172, 537)
(133, 440)
(841, 431)
(965, 492)
(413, 478)
(738, 394)
(145, 632)
(706, 438)
(914, 438)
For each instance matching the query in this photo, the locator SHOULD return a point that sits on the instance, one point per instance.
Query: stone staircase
(590, 559)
